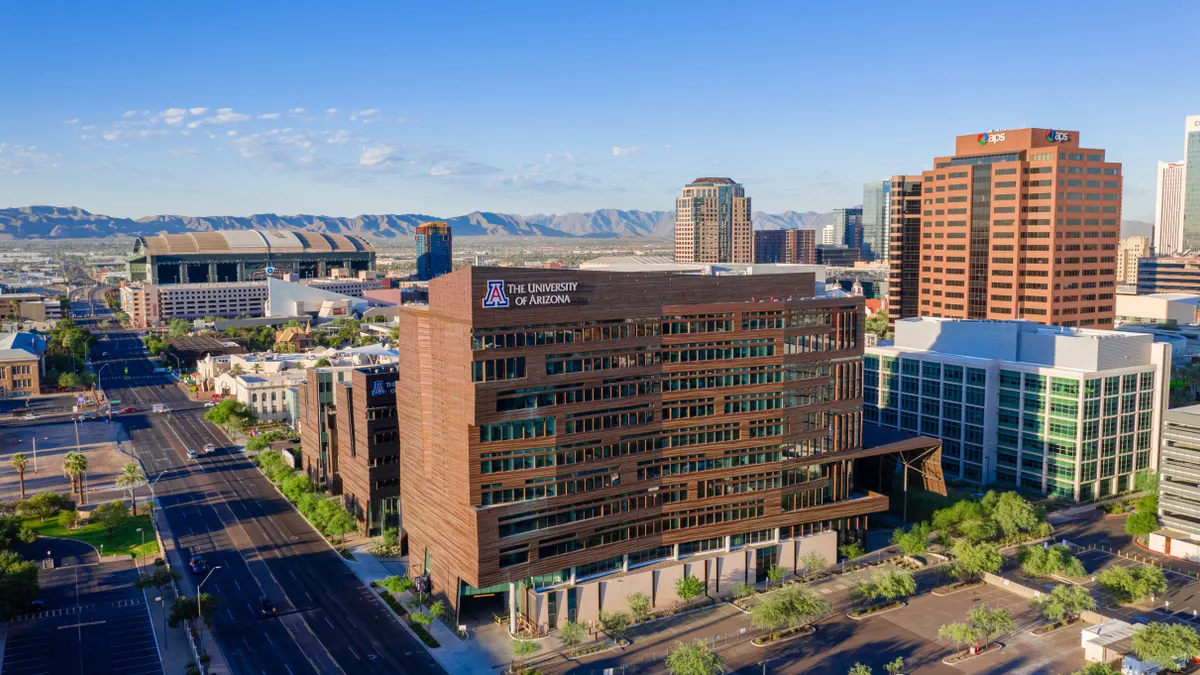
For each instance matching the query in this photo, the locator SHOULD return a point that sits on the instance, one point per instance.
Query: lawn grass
(125, 540)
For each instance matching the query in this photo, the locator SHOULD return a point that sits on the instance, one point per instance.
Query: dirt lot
(97, 440)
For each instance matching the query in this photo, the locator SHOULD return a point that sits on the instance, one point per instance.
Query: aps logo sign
(984, 139)
(495, 296)
(1057, 136)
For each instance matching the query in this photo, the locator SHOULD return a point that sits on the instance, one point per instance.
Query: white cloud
(174, 112)
(74, 120)
(129, 113)
(185, 152)
(227, 116)
(196, 124)
(224, 111)
(339, 138)
(383, 155)
(368, 112)
(231, 132)
(618, 151)
(330, 112)
(198, 111)
(667, 148)
(269, 116)
(111, 136)
(297, 111)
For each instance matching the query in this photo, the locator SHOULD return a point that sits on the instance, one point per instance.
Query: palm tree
(19, 461)
(130, 477)
(257, 368)
(236, 369)
(75, 466)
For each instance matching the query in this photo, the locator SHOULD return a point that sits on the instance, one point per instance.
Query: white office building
(1072, 412)
(1168, 209)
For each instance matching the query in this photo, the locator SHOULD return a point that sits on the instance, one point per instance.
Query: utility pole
(35, 469)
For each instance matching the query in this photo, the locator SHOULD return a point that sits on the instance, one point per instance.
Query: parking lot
(95, 622)
(97, 440)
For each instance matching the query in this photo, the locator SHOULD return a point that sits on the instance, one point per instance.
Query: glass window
(951, 392)
(974, 415)
(910, 367)
(1010, 379)
(1035, 383)
(952, 373)
(1091, 389)
(976, 376)
(975, 396)
(1009, 399)
(931, 369)
(1061, 386)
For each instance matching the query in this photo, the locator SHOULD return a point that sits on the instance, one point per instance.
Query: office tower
(876, 220)
(1190, 237)
(569, 436)
(1179, 487)
(712, 223)
(1021, 223)
(435, 250)
(904, 247)
(828, 235)
(795, 246)
(1169, 274)
(1129, 251)
(1071, 412)
(1168, 209)
(837, 256)
(847, 227)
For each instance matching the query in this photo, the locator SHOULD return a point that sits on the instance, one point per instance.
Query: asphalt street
(219, 506)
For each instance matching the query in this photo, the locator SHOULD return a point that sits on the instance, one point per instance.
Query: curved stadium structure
(244, 255)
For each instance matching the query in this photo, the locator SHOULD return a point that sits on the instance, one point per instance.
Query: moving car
(210, 404)
(191, 454)
(266, 609)
(209, 448)
(29, 416)
(161, 408)
(86, 417)
(128, 410)
(104, 354)
(197, 565)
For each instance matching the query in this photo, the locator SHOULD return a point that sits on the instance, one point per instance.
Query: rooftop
(713, 181)
(16, 355)
(249, 241)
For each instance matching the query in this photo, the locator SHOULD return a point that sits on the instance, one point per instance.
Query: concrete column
(777, 534)
(572, 575)
(625, 563)
(183, 273)
(241, 272)
(512, 607)
(212, 271)
(675, 552)
(728, 539)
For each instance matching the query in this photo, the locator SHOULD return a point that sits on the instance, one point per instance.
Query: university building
(570, 437)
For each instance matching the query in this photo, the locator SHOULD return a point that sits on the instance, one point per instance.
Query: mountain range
(44, 222)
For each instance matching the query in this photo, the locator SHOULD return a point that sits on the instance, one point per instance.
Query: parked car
(209, 448)
(86, 417)
(35, 606)
(197, 565)
(128, 410)
(266, 608)
(210, 404)
(191, 454)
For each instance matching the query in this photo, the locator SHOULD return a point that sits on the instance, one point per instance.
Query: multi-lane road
(219, 506)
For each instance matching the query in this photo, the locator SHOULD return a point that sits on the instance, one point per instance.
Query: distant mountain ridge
(44, 222)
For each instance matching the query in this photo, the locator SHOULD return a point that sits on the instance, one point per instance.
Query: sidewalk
(173, 647)
(217, 664)
(455, 655)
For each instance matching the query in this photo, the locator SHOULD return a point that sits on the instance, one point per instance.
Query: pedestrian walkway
(468, 657)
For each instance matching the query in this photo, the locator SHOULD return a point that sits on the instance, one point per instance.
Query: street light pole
(163, 605)
(35, 469)
(199, 606)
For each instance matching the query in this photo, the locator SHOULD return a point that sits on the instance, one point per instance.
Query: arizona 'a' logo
(495, 296)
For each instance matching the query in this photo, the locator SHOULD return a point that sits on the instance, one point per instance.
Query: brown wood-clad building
(557, 425)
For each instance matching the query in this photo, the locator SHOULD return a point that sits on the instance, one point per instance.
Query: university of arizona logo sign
(495, 296)
(379, 389)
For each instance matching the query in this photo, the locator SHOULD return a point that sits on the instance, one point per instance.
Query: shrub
(852, 550)
(391, 537)
(639, 606)
(614, 622)
(571, 634)
(688, 587)
(743, 590)
(1041, 561)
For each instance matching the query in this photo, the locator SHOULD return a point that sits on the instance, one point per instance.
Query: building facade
(579, 425)
(1021, 224)
(848, 227)
(1073, 413)
(150, 305)
(1168, 209)
(712, 223)
(19, 374)
(1179, 485)
(837, 256)
(1169, 274)
(1129, 252)
(263, 392)
(904, 249)
(244, 255)
(435, 250)
(793, 246)
(876, 220)
(1190, 237)
(367, 446)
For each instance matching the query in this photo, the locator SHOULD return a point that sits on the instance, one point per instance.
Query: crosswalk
(76, 609)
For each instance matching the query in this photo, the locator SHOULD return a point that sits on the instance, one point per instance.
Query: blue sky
(135, 109)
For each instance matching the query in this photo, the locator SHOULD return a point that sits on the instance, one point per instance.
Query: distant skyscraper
(847, 227)
(1190, 239)
(828, 235)
(1129, 251)
(1168, 209)
(435, 250)
(876, 214)
(904, 249)
(795, 246)
(712, 223)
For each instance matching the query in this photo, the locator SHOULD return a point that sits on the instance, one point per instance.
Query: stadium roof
(250, 241)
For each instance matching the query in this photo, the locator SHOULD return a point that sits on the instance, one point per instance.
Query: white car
(29, 416)
(209, 448)
(210, 404)
(104, 354)
(191, 454)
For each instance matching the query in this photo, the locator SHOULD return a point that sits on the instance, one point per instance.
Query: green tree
(983, 624)
(1064, 603)
(1097, 669)
(852, 550)
(322, 363)
(614, 623)
(742, 590)
(46, 504)
(813, 562)
(19, 461)
(295, 485)
(437, 610)
(231, 413)
(112, 515)
(185, 609)
(1146, 481)
(790, 605)
(859, 669)
(1171, 645)
(973, 560)
(887, 586)
(13, 533)
(1039, 561)
(1013, 514)
(1132, 584)
(571, 634)
(128, 479)
(179, 328)
(18, 584)
(688, 588)
(639, 606)
(340, 523)
(75, 466)
(694, 659)
(775, 575)
(522, 650)
(877, 323)
(772, 612)
(160, 578)
(1142, 523)
(895, 667)
(69, 381)
(913, 542)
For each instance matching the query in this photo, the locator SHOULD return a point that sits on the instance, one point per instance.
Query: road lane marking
(81, 625)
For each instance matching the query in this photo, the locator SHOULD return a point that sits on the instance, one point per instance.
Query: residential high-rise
(1190, 237)
(1071, 412)
(435, 250)
(1129, 251)
(847, 227)
(795, 246)
(904, 248)
(1168, 209)
(712, 223)
(1021, 223)
(876, 220)
(828, 235)
(560, 429)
